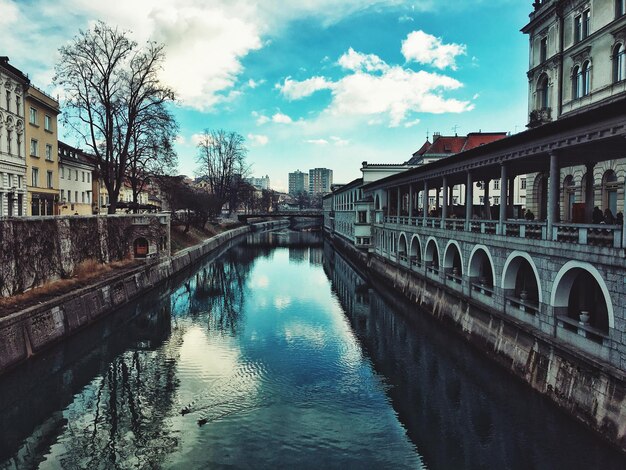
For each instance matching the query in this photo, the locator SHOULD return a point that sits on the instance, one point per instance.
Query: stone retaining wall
(592, 392)
(25, 333)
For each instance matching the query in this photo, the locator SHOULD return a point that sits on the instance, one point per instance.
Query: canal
(276, 353)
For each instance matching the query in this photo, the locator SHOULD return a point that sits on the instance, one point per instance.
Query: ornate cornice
(582, 55)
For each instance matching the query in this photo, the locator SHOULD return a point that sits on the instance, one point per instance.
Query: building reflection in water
(460, 409)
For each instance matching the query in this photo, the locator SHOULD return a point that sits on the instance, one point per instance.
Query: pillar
(469, 200)
(487, 206)
(410, 201)
(503, 187)
(589, 193)
(398, 202)
(444, 209)
(425, 203)
(553, 193)
(388, 202)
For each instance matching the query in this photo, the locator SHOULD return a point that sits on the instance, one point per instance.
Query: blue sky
(312, 83)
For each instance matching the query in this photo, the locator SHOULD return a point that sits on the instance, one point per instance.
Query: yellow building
(42, 164)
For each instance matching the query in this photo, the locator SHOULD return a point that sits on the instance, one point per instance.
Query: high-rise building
(298, 182)
(12, 155)
(320, 180)
(262, 183)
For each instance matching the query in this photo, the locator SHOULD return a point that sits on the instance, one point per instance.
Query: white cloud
(393, 90)
(317, 141)
(196, 139)
(281, 118)
(413, 123)
(258, 139)
(338, 141)
(180, 140)
(295, 90)
(255, 83)
(356, 61)
(406, 19)
(427, 49)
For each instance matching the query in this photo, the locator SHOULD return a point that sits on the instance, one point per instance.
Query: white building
(13, 84)
(75, 181)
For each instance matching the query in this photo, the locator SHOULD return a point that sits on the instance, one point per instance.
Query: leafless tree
(112, 92)
(221, 159)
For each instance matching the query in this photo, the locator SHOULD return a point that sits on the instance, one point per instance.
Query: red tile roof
(450, 145)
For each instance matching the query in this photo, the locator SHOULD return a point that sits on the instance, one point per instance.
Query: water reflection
(460, 410)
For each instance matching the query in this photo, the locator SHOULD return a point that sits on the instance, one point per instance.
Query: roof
(17, 74)
(450, 145)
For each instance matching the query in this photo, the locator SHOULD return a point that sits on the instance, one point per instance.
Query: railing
(529, 306)
(581, 234)
(582, 329)
(482, 288)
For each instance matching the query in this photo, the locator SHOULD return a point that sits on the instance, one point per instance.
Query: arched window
(620, 8)
(619, 62)
(542, 92)
(586, 76)
(577, 83)
(569, 197)
(609, 191)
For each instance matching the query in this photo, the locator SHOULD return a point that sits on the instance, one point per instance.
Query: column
(553, 193)
(589, 193)
(487, 206)
(410, 202)
(469, 200)
(444, 209)
(511, 200)
(503, 187)
(398, 204)
(425, 203)
(388, 202)
(624, 222)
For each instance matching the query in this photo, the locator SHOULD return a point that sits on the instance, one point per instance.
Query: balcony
(539, 117)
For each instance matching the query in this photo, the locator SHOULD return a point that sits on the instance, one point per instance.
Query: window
(581, 80)
(63, 195)
(581, 26)
(523, 183)
(62, 172)
(82, 196)
(88, 178)
(69, 196)
(75, 196)
(35, 177)
(496, 184)
(586, 76)
(49, 179)
(34, 147)
(83, 173)
(542, 92)
(543, 49)
(619, 62)
(32, 117)
(19, 144)
(620, 7)
(18, 104)
(8, 100)
(76, 175)
(47, 123)
(496, 200)
(49, 152)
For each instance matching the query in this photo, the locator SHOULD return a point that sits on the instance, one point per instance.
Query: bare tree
(112, 93)
(151, 153)
(221, 159)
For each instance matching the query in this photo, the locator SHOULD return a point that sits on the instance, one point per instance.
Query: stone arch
(520, 274)
(452, 258)
(141, 247)
(416, 248)
(609, 191)
(480, 267)
(431, 253)
(402, 244)
(579, 286)
(568, 192)
(540, 190)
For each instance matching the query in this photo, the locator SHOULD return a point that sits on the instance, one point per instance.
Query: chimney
(436, 135)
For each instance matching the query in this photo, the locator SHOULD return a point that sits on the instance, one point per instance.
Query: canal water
(276, 353)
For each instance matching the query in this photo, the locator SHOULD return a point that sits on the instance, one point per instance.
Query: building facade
(262, 183)
(76, 181)
(13, 85)
(298, 182)
(320, 180)
(577, 62)
(42, 162)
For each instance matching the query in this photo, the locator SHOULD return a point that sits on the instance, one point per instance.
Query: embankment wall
(28, 332)
(593, 392)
